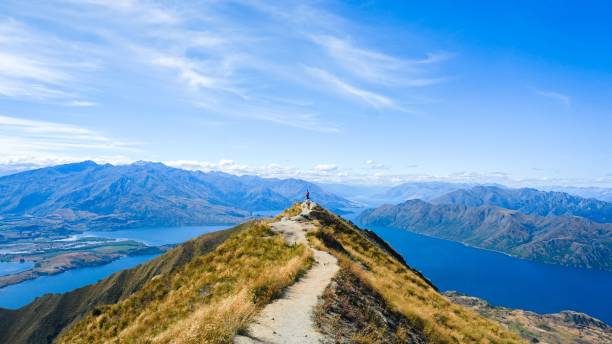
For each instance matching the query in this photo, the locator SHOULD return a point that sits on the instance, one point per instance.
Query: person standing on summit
(308, 198)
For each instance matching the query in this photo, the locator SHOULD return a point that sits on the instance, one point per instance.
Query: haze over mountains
(89, 195)
(550, 227)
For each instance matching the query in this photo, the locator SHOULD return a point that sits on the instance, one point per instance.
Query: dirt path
(289, 319)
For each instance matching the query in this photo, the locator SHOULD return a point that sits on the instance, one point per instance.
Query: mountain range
(541, 226)
(600, 193)
(420, 190)
(89, 195)
(531, 202)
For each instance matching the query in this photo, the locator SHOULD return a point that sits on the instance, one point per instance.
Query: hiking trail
(289, 318)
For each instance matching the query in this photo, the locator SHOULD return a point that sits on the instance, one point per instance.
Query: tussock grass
(403, 289)
(294, 210)
(208, 300)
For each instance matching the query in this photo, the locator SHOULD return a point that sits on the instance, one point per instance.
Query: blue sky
(360, 92)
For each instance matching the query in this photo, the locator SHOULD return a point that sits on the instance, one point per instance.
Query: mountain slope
(88, 195)
(217, 292)
(562, 240)
(43, 319)
(530, 202)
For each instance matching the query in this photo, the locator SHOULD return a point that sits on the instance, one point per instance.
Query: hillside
(530, 202)
(564, 240)
(43, 319)
(88, 195)
(220, 289)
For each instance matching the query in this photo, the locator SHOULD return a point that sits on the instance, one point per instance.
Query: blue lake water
(7, 268)
(156, 236)
(504, 280)
(267, 213)
(21, 294)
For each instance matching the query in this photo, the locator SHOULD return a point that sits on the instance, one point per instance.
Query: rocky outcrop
(564, 327)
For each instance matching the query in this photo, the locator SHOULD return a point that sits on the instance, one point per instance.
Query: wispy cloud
(319, 172)
(374, 99)
(37, 66)
(239, 66)
(326, 167)
(378, 67)
(564, 99)
(40, 139)
(81, 103)
(375, 165)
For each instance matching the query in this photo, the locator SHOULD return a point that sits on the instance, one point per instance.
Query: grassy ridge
(43, 319)
(208, 300)
(404, 290)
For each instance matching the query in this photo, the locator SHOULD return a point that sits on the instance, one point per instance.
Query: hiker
(308, 198)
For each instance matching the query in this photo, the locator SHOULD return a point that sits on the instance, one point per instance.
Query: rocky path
(289, 319)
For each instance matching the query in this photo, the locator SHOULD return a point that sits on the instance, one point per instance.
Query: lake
(7, 268)
(156, 236)
(504, 280)
(21, 294)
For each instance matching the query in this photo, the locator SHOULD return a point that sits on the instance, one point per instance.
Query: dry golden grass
(427, 310)
(207, 301)
(294, 210)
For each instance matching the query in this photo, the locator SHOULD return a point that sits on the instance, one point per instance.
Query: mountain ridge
(564, 240)
(530, 202)
(88, 195)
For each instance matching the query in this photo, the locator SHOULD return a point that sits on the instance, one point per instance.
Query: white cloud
(16, 66)
(375, 165)
(142, 10)
(326, 167)
(371, 98)
(40, 139)
(38, 66)
(188, 71)
(378, 67)
(230, 68)
(81, 103)
(566, 100)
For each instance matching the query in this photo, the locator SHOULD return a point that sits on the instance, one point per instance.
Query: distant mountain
(530, 202)
(420, 190)
(88, 195)
(565, 240)
(360, 194)
(600, 193)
